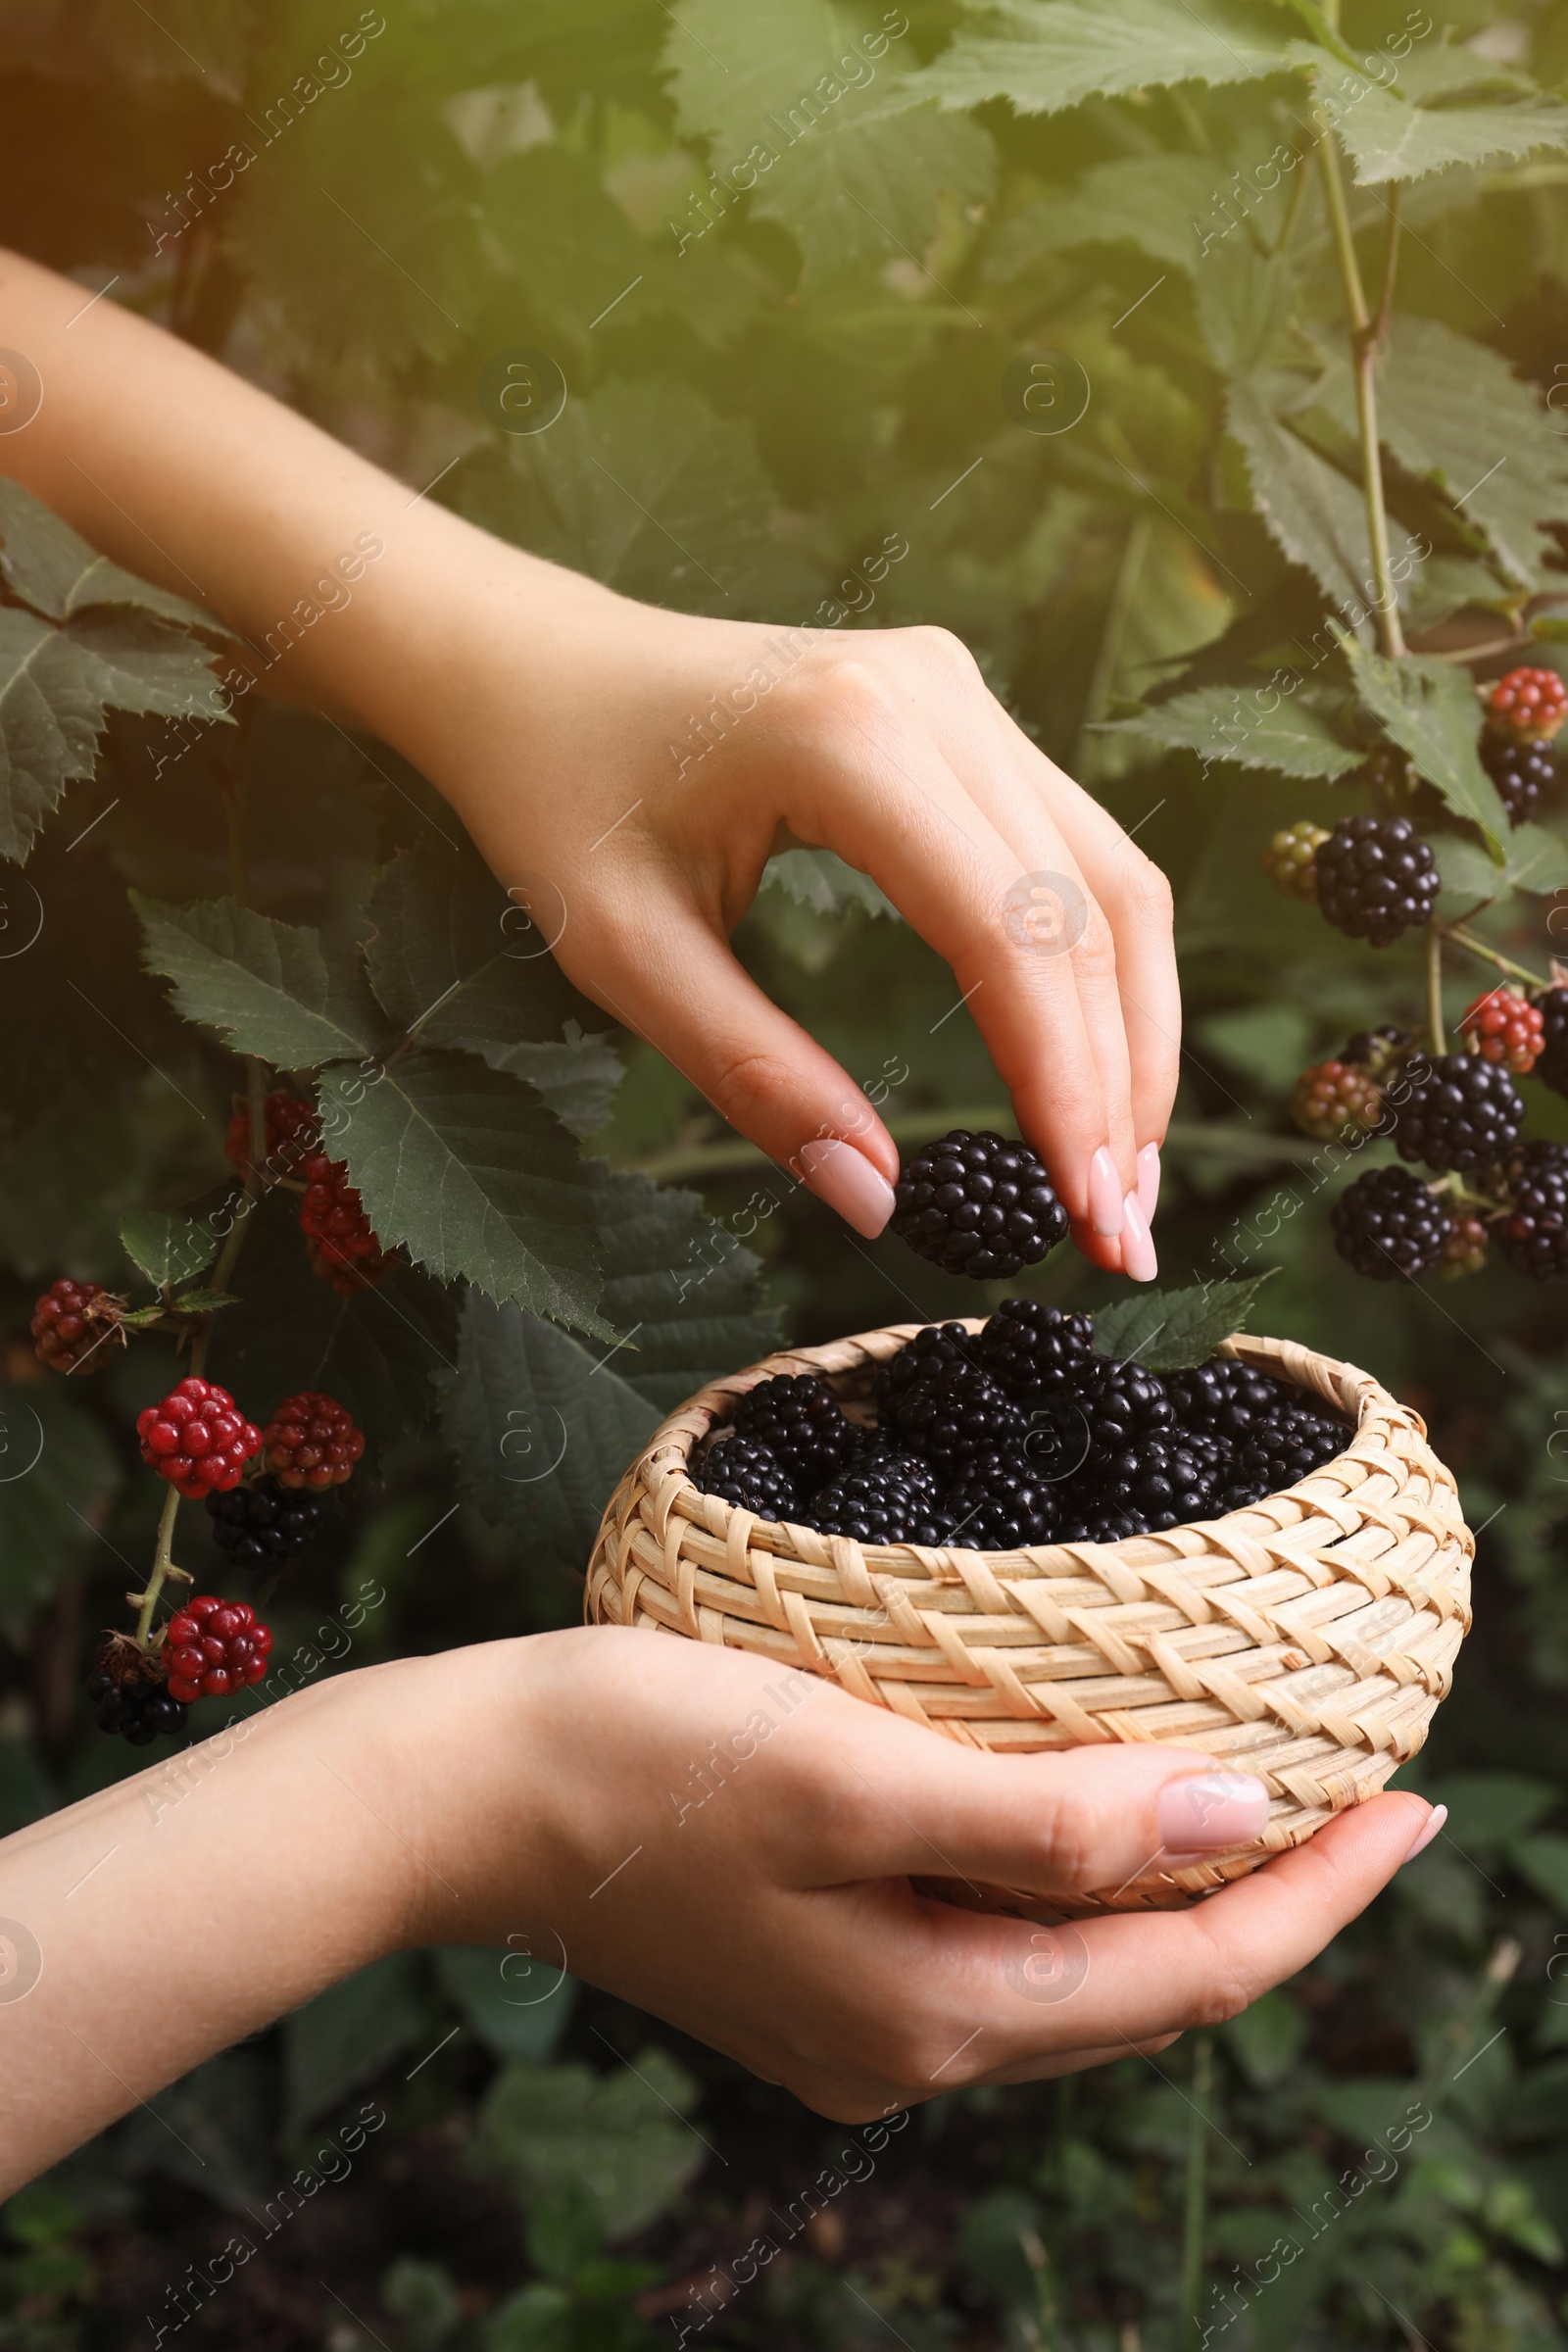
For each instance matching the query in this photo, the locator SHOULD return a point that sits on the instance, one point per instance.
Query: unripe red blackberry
(1333, 1096)
(75, 1325)
(1464, 1113)
(1528, 705)
(798, 1418)
(1376, 878)
(342, 1247)
(1465, 1249)
(1502, 1026)
(1551, 1063)
(1291, 859)
(977, 1205)
(291, 1135)
(311, 1442)
(215, 1648)
(197, 1439)
(1534, 1235)
(1528, 775)
(1390, 1226)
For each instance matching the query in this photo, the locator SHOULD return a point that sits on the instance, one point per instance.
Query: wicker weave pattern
(1306, 1640)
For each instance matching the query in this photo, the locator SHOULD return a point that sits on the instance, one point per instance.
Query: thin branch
(1462, 938)
(1439, 1042)
(1364, 353)
(1390, 265)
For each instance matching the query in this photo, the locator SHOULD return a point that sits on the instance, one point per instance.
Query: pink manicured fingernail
(1426, 1832)
(1104, 1196)
(846, 1180)
(1137, 1249)
(1149, 1180)
(1211, 1809)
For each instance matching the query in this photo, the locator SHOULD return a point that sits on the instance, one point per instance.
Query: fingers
(673, 980)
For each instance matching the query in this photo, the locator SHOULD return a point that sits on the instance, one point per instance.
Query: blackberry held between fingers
(1551, 1063)
(1390, 1226)
(1031, 1348)
(1376, 878)
(749, 1475)
(1534, 1235)
(797, 1417)
(1527, 775)
(979, 1205)
(265, 1526)
(1463, 1114)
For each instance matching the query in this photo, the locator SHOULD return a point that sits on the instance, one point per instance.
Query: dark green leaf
(618, 2136)
(465, 1169)
(168, 1250)
(1314, 513)
(1298, 738)
(517, 2004)
(1492, 1809)
(1430, 710)
(57, 688)
(48, 567)
(1046, 55)
(210, 2131)
(1165, 1331)
(264, 987)
(1267, 2037)
(577, 1077)
(57, 1474)
(458, 961)
(205, 1302)
(350, 2032)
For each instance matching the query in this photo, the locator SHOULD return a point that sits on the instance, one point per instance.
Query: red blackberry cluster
(343, 1250)
(1504, 1027)
(311, 1442)
(1390, 1226)
(75, 1325)
(130, 1695)
(1021, 1435)
(291, 1135)
(1376, 878)
(197, 1439)
(1463, 1114)
(1528, 705)
(215, 1648)
(264, 1526)
(977, 1205)
(1332, 1096)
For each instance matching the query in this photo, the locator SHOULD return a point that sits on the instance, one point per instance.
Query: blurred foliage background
(769, 389)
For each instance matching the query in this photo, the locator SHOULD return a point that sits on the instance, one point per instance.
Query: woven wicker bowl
(1306, 1640)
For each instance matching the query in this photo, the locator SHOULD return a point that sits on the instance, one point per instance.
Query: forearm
(185, 473)
(166, 1918)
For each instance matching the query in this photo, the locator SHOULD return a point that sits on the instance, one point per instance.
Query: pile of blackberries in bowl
(1017, 1434)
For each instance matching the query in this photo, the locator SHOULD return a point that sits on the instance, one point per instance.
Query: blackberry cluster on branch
(1528, 775)
(977, 1205)
(130, 1695)
(1376, 878)
(1463, 1114)
(1534, 1235)
(266, 1525)
(1390, 1226)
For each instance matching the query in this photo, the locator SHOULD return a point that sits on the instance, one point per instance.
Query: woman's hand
(631, 787)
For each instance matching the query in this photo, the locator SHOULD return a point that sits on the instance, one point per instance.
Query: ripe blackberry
(1528, 705)
(1029, 1348)
(798, 1418)
(1464, 1113)
(1224, 1398)
(1291, 1448)
(956, 1417)
(1291, 859)
(1333, 1096)
(1087, 1518)
(884, 1500)
(213, 1647)
(291, 1135)
(130, 1695)
(747, 1474)
(977, 1205)
(1376, 877)
(939, 1347)
(1167, 1480)
(1465, 1249)
(1534, 1235)
(343, 1250)
(1125, 1406)
(264, 1526)
(197, 1439)
(1389, 1226)
(1527, 775)
(75, 1325)
(1378, 1051)
(1551, 1063)
(1001, 1504)
(1503, 1026)
(311, 1440)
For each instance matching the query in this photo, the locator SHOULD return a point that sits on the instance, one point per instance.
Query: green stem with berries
(1467, 940)
(163, 1568)
(1440, 1044)
(1366, 341)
